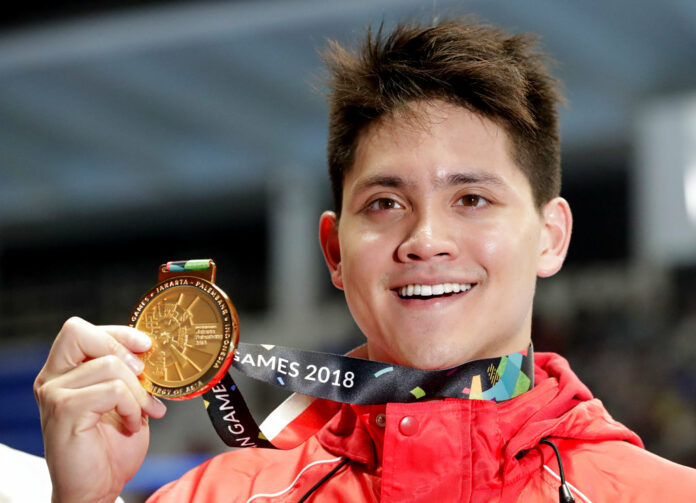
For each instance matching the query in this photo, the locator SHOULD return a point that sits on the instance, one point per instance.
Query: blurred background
(132, 133)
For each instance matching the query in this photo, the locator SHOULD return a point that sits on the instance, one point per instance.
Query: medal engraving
(194, 331)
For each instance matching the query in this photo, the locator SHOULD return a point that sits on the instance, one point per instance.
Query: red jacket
(453, 451)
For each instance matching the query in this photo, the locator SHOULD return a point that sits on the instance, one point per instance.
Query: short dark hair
(499, 76)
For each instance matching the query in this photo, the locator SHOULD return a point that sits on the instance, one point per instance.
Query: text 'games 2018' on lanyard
(195, 333)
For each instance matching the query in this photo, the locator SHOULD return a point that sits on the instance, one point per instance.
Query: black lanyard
(355, 381)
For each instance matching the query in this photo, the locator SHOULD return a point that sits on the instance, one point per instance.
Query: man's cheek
(491, 249)
(500, 242)
(490, 246)
(370, 237)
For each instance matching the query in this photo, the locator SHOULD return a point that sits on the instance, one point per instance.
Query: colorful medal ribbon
(343, 379)
(202, 264)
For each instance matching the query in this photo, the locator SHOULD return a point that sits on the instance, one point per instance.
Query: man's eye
(472, 201)
(383, 203)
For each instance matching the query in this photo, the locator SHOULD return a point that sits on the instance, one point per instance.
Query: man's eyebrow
(392, 181)
(469, 178)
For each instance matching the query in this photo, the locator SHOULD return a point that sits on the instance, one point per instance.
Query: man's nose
(429, 238)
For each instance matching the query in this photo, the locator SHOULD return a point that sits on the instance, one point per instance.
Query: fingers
(84, 355)
(84, 408)
(79, 340)
(75, 411)
(107, 369)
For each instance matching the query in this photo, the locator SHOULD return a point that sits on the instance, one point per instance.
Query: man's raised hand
(94, 410)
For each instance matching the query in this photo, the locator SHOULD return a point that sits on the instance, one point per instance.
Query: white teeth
(431, 290)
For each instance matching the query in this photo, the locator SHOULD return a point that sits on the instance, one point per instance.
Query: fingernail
(143, 340)
(158, 403)
(135, 364)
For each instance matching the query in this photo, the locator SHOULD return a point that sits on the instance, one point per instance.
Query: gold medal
(194, 330)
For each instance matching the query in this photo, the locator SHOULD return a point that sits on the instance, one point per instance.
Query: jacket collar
(559, 405)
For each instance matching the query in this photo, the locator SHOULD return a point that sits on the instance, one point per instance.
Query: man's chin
(431, 356)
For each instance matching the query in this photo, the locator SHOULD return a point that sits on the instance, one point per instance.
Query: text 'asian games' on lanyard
(350, 380)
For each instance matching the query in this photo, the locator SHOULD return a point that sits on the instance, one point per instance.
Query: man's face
(439, 242)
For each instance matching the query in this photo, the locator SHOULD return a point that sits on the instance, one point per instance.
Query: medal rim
(151, 295)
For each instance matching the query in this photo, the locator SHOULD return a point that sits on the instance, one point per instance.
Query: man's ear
(555, 237)
(330, 246)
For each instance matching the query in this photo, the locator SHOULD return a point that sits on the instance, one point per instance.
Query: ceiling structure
(138, 108)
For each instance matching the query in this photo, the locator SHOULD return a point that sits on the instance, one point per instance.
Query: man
(445, 166)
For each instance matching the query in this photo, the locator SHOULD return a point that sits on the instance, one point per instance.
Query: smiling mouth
(417, 291)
